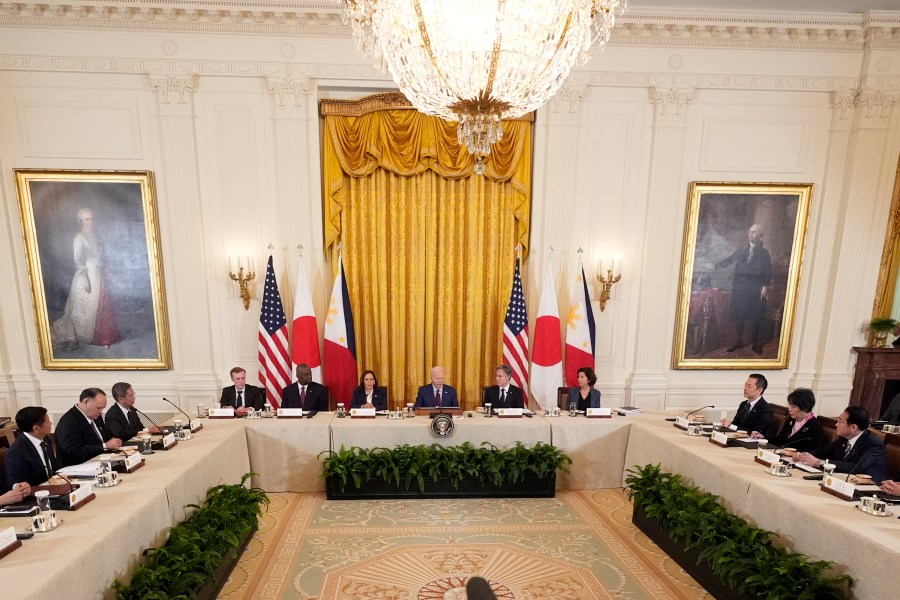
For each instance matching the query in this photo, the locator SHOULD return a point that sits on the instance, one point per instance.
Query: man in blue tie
(436, 394)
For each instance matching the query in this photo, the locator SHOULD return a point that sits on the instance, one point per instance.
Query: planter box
(687, 558)
(211, 590)
(530, 487)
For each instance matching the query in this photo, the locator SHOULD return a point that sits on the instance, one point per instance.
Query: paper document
(88, 469)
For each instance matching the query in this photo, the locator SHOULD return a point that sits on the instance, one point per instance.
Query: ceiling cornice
(675, 28)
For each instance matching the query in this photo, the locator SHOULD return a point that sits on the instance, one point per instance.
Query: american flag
(274, 358)
(515, 334)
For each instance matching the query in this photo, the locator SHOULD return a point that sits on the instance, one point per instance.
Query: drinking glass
(487, 409)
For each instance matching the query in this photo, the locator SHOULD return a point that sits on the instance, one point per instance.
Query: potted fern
(881, 327)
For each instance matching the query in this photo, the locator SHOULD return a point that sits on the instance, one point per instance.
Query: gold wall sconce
(245, 274)
(613, 268)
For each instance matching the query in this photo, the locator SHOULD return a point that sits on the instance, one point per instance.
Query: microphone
(478, 589)
(690, 414)
(188, 426)
(152, 422)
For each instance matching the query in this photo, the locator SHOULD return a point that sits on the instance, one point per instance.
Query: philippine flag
(580, 330)
(546, 355)
(340, 342)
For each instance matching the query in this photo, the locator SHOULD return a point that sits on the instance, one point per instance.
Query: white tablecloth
(284, 452)
(387, 433)
(596, 447)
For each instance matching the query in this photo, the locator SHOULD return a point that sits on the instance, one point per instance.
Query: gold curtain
(428, 247)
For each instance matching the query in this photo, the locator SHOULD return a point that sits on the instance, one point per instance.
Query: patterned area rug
(579, 545)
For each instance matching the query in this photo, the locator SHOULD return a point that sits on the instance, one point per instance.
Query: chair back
(562, 398)
(892, 446)
(829, 424)
(779, 417)
(484, 390)
(3, 452)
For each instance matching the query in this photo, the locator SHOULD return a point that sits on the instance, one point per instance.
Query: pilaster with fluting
(826, 210)
(660, 270)
(863, 219)
(184, 253)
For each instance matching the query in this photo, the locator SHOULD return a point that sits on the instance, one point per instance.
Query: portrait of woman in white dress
(89, 316)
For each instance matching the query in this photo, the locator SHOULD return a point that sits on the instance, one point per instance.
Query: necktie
(303, 397)
(97, 431)
(847, 451)
(437, 397)
(47, 466)
(240, 399)
(135, 421)
(503, 398)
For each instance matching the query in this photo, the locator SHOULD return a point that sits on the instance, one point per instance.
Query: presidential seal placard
(442, 426)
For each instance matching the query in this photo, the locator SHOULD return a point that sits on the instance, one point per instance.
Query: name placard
(7, 537)
(366, 413)
(682, 423)
(196, 425)
(80, 493)
(602, 413)
(510, 412)
(221, 413)
(290, 413)
(169, 440)
(719, 439)
(133, 460)
(767, 458)
(838, 487)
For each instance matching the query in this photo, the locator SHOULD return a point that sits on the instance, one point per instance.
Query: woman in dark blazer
(368, 394)
(802, 430)
(585, 396)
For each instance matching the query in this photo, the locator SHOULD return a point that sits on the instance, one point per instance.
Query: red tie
(303, 397)
(437, 398)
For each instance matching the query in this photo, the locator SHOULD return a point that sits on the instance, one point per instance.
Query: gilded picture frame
(92, 244)
(740, 272)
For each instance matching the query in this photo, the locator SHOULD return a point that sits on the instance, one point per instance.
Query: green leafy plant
(405, 465)
(197, 546)
(741, 554)
(882, 325)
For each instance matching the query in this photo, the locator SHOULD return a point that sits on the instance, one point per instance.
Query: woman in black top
(802, 430)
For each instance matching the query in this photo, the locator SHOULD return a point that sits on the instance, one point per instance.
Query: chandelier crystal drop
(479, 61)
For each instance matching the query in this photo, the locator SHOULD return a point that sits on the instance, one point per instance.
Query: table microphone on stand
(186, 416)
(152, 422)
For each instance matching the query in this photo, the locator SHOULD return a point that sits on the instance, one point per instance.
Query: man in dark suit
(754, 414)
(31, 458)
(436, 393)
(242, 396)
(504, 394)
(81, 434)
(305, 393)
(122, 419)
(749, 288)
(856, 450)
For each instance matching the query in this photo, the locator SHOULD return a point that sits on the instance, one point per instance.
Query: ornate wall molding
(847, 32)
(670, 105)
(174, 93)
(290, 95)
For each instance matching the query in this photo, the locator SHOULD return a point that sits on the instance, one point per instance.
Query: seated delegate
(436, 393)
(80, 433)
(802, 431)
(585, 395)
(754, 415)
(367, 395)
(31, 458)
(856, 450)
(504, 394)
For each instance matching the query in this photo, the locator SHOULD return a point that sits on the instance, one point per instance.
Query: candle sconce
(607, 282)
(245, 274)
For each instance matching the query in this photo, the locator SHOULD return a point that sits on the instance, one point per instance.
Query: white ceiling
(790, 6)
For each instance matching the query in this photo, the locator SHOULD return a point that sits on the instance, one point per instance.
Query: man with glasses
(122, 419)
(856, 450)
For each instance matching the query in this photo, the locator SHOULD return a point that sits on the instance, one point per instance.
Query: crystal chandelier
(479, 61)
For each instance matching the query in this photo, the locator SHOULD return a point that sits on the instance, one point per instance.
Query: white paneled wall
(224, 112)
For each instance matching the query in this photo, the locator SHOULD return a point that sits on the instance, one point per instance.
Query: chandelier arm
(427, 42)
(495, 55)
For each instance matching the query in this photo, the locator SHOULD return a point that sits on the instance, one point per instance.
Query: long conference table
(104, 539)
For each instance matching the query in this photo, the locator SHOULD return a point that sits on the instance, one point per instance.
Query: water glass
(487, 409)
